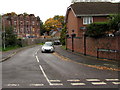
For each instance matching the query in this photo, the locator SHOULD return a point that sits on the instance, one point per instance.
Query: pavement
(74, 57)
(8, 54)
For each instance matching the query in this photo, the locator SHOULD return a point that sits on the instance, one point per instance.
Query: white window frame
(87, 20)
(15, 22)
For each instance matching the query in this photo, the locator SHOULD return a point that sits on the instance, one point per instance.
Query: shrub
(114, 21)
(97, 29)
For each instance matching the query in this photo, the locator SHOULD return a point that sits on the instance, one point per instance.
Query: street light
(67, 35)
(73, 35)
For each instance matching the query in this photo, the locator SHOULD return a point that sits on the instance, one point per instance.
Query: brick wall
(92, 46)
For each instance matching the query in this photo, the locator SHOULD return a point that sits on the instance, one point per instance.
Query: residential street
(30, 68)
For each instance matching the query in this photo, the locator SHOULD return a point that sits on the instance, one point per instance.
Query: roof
(94, 8)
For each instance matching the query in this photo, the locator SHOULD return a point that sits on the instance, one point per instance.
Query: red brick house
(78, 16)
(83, 13)
(25, 26)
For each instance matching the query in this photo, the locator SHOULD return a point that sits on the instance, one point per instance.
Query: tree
(42, 28)
(56, 23)
(0, 31)
(63, 35)
(10, 37)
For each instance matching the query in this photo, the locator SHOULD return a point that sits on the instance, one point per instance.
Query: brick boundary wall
(107, 47)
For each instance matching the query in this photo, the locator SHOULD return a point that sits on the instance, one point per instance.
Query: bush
(97, 29)
(114, 21)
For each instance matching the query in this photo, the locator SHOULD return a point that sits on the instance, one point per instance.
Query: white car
(47, 47)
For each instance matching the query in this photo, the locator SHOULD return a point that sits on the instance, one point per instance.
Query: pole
(66, 42)
(4, 32)
(72, 44)
(84, 44)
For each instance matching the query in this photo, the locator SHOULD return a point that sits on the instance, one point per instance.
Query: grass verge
(10, 48)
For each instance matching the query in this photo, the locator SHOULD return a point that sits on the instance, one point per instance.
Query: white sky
(42, 8)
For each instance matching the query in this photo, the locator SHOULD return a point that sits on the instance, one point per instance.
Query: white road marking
(98, 83)
(92, 79)
(73, 80)
(51, 84)
(45, 75)
(56, 84)
(37, 85)
(37, 59)
(54, 80)
(76, 84)
(116, 83)
(13, 85)
(112, 79)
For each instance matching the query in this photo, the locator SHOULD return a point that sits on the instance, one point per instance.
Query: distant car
(47, 47)
(57, 42)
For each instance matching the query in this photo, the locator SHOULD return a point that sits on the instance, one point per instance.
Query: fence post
(97, 53)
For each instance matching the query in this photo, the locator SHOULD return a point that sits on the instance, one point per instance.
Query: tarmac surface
(74, 57)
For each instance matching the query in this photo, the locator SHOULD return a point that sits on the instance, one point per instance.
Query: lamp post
(73, 35)
(67, 35)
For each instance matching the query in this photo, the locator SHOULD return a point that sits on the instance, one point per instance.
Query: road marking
(116, 83)
(37, 85)
(73, 80)
(56, 84)
(112, 79)
(98, 83)
(13, 85)
(45, 75)
(37, 59)
(92, 79)
(76, 84)
(54, 80)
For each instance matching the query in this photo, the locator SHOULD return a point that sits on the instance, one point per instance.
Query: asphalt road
(32, 69)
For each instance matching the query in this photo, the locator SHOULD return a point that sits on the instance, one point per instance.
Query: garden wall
(107, 47)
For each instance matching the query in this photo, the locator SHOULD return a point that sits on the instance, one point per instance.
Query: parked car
(48, 47)
(57, 42)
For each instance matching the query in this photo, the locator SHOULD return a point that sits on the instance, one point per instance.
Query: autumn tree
(56, 23)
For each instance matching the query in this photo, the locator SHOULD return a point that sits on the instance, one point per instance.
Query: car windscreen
(48, 44)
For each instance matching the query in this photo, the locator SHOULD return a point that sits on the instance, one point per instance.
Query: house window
(87, 20)
(33, 23)
(15, 22)
(21, 22)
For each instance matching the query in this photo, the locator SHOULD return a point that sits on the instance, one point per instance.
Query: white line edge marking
(36, 52)
(36, 85)
(45, 75)
(92, 79)
(51, 84)
(54, 80)
(75, 84)
(112, 79)
(116, 83)
(37, 58)
(98, 83)
(73, 80)
(14, 85)
(55, 84)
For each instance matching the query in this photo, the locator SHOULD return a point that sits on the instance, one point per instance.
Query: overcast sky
(42, 8)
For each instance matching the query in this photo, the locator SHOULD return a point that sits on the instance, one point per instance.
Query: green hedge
(97, 29)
